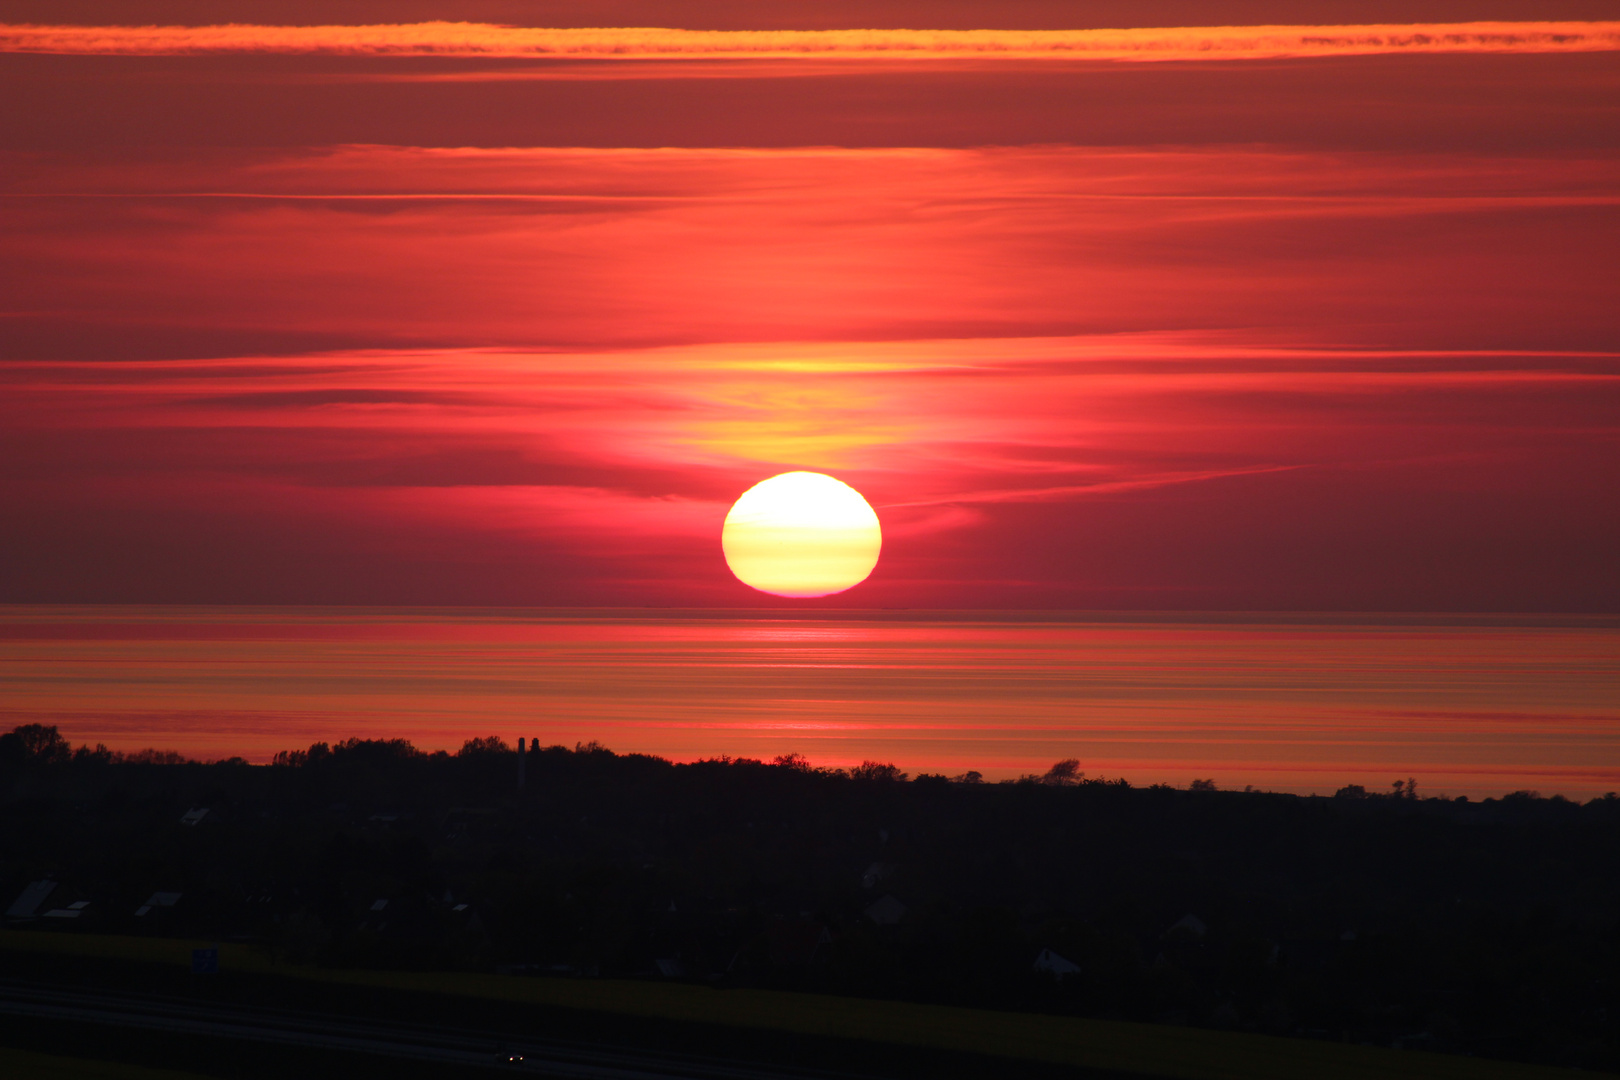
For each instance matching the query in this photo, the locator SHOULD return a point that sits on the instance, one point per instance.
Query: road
(416, 1042)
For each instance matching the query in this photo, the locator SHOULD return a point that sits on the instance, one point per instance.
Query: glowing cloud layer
(643, 43)
(1299, 335)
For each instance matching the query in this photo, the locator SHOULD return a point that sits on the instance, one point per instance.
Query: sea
(1307, 703)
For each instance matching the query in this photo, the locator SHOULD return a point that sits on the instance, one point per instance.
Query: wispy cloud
(1064, 375)
(650, 43)
(1102, 487)
(606, 474)
(607, 248)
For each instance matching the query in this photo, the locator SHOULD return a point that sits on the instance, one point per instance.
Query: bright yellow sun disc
(801, 534)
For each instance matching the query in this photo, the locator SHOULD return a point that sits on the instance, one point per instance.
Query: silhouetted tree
(380, 751)
(35, 744)
(489, 744)
(1065, 773)
(154, 757)
(99, 756)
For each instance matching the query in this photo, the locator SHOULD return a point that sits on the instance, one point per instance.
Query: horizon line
(15, 608)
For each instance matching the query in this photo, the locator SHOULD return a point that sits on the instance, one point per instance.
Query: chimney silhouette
(523, 760)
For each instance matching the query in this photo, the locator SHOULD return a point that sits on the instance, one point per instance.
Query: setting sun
(801, 534)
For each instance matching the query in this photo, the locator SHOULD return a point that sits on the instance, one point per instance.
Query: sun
(801, 534)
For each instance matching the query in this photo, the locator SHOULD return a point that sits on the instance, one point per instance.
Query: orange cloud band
(483, 39)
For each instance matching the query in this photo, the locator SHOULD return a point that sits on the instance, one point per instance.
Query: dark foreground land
(767, 918)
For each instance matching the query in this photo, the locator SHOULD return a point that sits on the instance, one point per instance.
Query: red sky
(1333, 330)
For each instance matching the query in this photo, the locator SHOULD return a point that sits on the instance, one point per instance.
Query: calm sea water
(1300, 703)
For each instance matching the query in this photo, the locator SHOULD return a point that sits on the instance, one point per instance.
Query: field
(1105, 1046)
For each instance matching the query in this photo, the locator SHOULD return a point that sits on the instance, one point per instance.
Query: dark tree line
(1488, 927)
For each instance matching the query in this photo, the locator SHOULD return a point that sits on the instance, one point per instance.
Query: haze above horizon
(1475, 706)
